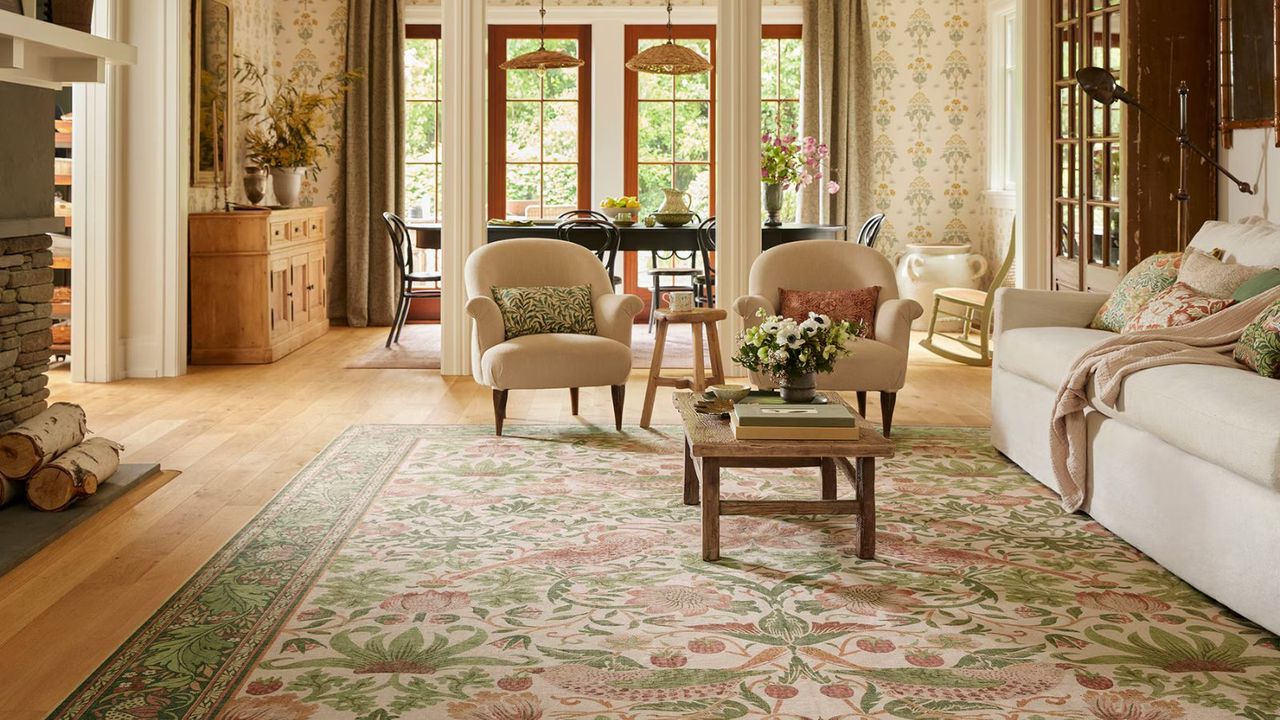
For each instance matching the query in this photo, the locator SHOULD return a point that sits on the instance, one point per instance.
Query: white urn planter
(925, 268)
(286, 183)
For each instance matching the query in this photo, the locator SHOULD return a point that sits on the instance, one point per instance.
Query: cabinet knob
(288, 294)
(311, 287)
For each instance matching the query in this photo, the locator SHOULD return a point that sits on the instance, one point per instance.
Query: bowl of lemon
(623, 211)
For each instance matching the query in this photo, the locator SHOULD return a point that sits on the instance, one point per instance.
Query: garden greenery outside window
(422, 122)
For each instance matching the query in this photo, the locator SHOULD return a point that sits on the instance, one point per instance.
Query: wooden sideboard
(258, 284)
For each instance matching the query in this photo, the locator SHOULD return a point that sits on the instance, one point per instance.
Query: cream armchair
(535, 362)
(876, 365)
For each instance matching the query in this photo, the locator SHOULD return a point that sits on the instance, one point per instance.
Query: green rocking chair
(971, 307)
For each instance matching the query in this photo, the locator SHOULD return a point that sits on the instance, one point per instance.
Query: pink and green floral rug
(440, 572)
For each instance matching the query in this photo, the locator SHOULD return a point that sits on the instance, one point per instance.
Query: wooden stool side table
(699, 318)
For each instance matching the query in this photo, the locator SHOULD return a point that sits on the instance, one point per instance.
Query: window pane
(791, 63)
(420, 132)
(769, 116)
(420, 191)
(560, 131)
(789, 117)
(655, 131)
(523, 190)
(523, 131)
(655, 87)
(653, 180)
(693, 131)
(523, 85)
(559, 189)
(769, 68)
(696, 180)
(420, 69)
(698, 85)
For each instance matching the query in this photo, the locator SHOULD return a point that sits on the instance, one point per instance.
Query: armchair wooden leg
(619, 393)
(887, 401)
(862, 403)
(573, 400)
(499, 409)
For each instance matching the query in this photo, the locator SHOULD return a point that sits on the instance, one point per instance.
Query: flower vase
(255, 184)
(286, 183)
(802, 388)
(773, 204)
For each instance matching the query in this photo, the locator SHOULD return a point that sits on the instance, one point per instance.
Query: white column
(464, 37)
(1034, 187)
(737, 156)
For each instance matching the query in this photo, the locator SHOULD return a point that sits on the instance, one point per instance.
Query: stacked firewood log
(49, 459)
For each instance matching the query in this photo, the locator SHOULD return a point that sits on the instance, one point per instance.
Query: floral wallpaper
(251, 35)
(929, 153)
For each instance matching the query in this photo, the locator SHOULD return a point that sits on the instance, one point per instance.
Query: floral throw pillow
(1179, 305)
(1146, 280)
(1259, 345)
(550, 309)
(855, 306)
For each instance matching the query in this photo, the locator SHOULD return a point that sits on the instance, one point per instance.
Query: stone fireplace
(26, 273)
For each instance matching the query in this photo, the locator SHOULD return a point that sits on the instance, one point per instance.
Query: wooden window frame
(498, 37)
(429, 32)
(781, 32)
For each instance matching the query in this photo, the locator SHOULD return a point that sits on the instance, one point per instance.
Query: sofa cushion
(1213, 277)
(1044, 354)
(546, 309)
(1228, 416)
(1179, 305)
(556, 361)
(1259, 346)
(1252, 241)
(1256, 285)
(1146, 280)
(855, 306)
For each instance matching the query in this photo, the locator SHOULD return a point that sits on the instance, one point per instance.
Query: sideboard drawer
(315, 227)
(279, 231)
(297, 229)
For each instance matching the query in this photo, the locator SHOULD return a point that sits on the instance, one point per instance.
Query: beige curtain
(836, 107)
(373, 151)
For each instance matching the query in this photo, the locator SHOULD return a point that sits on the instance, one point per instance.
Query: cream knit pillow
(1212, 277)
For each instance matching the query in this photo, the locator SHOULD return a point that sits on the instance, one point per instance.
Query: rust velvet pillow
(852, 305)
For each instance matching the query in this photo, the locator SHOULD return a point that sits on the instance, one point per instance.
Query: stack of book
(787, 421)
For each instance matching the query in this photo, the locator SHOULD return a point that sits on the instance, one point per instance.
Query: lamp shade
(542, 59)
(668, 59)
(1101, 85)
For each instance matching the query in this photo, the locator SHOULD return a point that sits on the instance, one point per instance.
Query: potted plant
(790, 163)
(792, 353)
(288, 118)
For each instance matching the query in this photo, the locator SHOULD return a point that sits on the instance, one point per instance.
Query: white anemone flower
(790, 337)
(771, 326)
(822, 321)
(809, 327)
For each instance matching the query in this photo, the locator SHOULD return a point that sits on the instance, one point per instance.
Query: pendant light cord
(671, 36)
(542, 25)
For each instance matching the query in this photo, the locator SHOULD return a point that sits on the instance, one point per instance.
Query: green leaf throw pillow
(549, 309)
(1257, 285)
(1146, 280)
(1259, 345)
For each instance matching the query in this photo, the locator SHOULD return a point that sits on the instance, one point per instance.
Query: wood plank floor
(237, 434)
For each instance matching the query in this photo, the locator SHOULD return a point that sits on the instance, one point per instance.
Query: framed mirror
(1249, 87)
(212, 115)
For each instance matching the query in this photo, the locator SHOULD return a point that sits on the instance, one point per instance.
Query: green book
(793, 415)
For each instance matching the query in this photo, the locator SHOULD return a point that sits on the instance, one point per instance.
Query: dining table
(636, 237)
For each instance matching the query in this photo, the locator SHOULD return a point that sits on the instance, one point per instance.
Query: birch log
(35, 442)
(74, 474)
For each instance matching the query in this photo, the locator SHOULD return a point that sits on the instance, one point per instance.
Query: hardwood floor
(237, 434)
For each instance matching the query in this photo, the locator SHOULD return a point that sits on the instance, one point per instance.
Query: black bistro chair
(402, 246)
(870, 230)
(706, 282)
(609, 244)
(668, 279)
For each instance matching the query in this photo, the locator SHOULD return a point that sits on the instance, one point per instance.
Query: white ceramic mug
(679, 301)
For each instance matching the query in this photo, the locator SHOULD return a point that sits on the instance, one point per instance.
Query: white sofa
(1186, 467)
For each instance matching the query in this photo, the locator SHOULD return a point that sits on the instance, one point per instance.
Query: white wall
(1255, 158)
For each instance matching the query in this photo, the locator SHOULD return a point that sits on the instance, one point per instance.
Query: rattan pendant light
(668, 58)
(542, 59)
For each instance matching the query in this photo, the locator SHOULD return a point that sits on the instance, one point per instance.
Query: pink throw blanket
(1209, 341)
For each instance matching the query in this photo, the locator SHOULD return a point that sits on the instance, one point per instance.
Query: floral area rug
(440, 572)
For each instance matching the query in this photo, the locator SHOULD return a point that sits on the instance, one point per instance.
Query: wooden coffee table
(709, 445)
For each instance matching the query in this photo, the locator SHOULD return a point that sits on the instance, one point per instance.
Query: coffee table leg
(690, 477)
(828, 479)
(710, 509)
(866, 485)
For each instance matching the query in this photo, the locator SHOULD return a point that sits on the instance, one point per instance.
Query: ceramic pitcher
(925, 268)
(677, 201)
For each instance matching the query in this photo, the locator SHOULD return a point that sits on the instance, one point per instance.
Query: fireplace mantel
(34, 52)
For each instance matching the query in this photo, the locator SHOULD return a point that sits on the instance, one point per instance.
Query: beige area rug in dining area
(419, 349)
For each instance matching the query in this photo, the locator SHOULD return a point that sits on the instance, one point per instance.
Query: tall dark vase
(773, 204)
